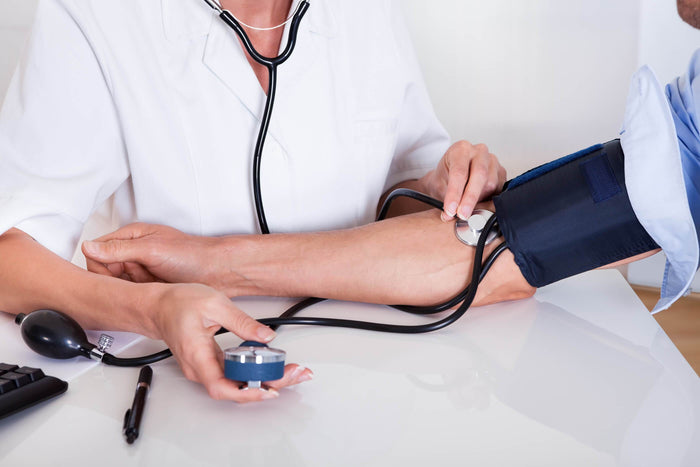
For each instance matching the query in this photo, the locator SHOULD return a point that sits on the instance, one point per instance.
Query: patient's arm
(414, 259)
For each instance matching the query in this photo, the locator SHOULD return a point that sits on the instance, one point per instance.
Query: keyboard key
(24, 387)
(5, 367)
(6, 385)
(19, 379)
(33, 373)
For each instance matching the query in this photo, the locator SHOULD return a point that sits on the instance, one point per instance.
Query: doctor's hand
(465, 175)
(149, 253)
(187, 316)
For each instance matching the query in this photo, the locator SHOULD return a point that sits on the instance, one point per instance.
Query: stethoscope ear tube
(234, 24)
(271, 63)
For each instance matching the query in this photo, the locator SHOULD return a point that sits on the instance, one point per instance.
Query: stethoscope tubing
(466, 297)
(271, 63)
(233, 23)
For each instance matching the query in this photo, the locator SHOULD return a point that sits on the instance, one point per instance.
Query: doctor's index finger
(478, 181)
(458, 172)
(112, 269)
(135, 271)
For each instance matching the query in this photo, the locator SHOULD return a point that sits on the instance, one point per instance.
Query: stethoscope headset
(56, 335)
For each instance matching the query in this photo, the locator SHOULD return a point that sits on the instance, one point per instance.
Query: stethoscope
(56, 335)
(271, 63)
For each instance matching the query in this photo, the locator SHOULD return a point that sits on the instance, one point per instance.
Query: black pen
(132, 417)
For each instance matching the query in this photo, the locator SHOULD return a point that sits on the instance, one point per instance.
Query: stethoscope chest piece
(254, 363)
(469, 231)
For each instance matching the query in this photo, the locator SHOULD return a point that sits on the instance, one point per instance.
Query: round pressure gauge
(469, 231)
(254, 363)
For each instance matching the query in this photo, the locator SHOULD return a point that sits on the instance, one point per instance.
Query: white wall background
(534, 79)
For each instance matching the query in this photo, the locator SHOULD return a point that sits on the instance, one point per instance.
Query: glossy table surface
(581, 374)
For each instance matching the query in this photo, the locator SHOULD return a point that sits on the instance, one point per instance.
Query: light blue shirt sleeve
(683, 95)
(662, 170)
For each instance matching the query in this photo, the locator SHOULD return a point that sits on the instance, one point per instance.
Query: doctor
(424, 263)
(156, 105)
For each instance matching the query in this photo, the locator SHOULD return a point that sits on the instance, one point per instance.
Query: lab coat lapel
(225, 57)
(316, 29)
(185, 19)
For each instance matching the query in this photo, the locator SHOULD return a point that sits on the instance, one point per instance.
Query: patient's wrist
(144, 305)
(114, 304)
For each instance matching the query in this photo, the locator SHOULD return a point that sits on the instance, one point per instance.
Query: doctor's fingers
(247, 328)
(114, 269)
(486, 178)
(119, 251)
(135, 272)
(467, 171)
(203, 364)
(293, 374)
(132, 231)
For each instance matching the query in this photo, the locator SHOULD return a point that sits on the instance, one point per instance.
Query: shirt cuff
(654, 180)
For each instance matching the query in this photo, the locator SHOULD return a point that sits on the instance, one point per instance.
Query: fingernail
(463, 214)
(90, 246)
(297, 371)
(301, 374)
(270, 393)
(265, 334)
(451, 209)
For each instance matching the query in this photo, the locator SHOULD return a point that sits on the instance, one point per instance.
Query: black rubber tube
(287, 318)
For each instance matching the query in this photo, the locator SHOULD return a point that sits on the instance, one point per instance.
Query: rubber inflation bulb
(54, 334)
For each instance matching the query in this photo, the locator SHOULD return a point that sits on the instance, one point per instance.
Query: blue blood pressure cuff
(571, 215)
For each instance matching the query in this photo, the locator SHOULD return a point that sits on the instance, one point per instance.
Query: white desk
(580, 374)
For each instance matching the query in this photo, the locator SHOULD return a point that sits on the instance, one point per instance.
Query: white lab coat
(154, 103)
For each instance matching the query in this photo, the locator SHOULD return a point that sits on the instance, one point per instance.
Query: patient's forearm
(414, 259)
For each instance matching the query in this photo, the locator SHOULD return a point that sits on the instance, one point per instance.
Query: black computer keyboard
(22, 387)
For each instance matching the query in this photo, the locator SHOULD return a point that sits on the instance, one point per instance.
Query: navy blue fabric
(573, 217)
(549, 166)
(600, 178)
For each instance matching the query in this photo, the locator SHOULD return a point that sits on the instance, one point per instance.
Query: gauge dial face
(252, 354)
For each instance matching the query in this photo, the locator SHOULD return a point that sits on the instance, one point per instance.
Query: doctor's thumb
(243, 325)
(111, 251)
